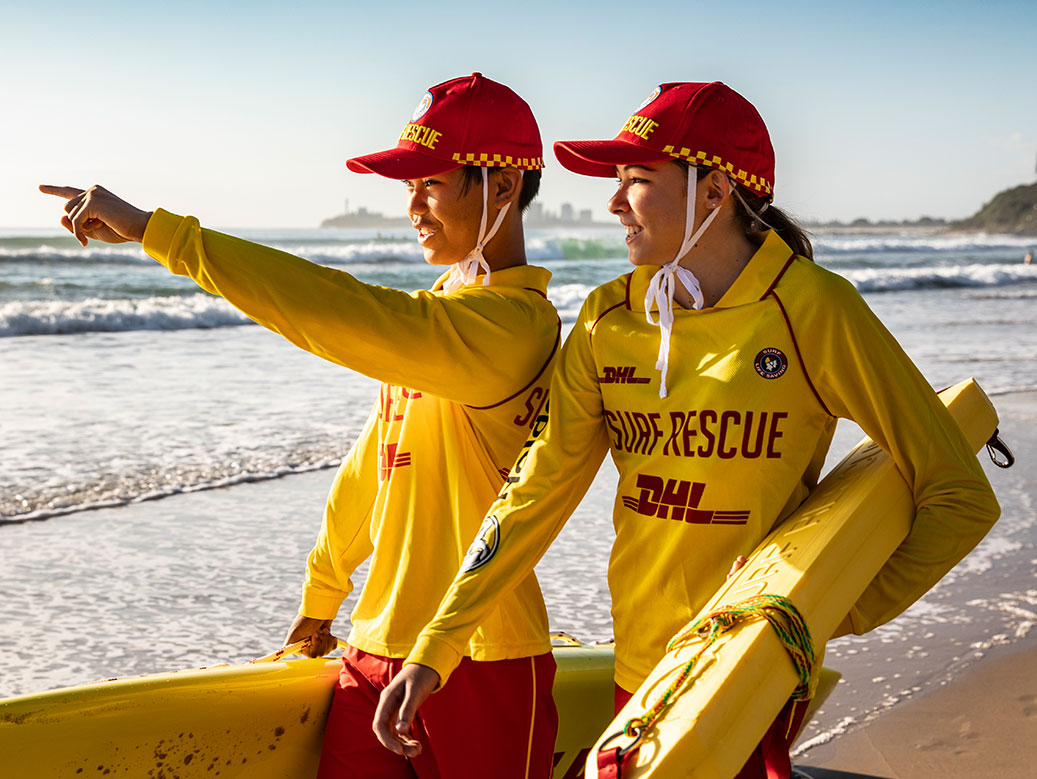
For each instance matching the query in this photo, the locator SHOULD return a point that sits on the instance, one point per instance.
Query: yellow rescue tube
(261, 720)
(821, 558)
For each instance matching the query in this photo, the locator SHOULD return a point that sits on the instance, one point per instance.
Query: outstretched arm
(97, 213)
(391, 335)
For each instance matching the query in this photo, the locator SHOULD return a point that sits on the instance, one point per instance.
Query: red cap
(705, 124)
(464, 121)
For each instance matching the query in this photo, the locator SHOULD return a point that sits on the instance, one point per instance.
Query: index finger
(66, 192)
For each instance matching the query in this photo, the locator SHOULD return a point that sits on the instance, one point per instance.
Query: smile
(632, 232)
(425, 232)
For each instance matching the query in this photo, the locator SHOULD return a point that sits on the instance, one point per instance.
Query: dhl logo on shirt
(641, 126)
(389, 458)
(622, 374)
(679, 500)
(421, 134)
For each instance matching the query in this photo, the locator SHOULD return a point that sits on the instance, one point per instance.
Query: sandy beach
(983, 724)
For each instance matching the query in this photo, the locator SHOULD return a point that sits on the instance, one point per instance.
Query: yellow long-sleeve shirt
(465, 374)
(755, 386)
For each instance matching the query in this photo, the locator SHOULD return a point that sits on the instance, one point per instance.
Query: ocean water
(122, 382)
(122, 386)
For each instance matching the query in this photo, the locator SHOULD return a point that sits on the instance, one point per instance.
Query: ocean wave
(202, 311)
(185, 312)
(936, 277)
(929, 242)
(334, 253)
(568, 298)
(574, 247)
(150, 481)
(99, 254)
(97, 315)
(132, 254)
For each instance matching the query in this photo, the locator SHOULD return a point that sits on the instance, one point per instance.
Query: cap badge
(655, 93)
(422, 108)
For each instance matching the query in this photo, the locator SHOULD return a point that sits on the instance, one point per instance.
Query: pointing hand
(97, 213)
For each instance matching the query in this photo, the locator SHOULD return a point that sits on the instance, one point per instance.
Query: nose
(618, 202)
(417, 200)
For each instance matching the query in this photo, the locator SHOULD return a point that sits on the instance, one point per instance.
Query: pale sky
(243, 113)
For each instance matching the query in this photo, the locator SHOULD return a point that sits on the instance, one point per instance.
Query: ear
(505, 186)
(715, 189)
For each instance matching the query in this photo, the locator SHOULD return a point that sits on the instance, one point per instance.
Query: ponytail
(757, 215)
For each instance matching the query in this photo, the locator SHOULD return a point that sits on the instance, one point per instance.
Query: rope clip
(622, 752)
(996, 447)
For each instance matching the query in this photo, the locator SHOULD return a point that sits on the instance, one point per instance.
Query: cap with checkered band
(465, 121)
(708, 125)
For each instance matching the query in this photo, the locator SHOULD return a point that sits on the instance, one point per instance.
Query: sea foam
(202, 311)
(37, 317)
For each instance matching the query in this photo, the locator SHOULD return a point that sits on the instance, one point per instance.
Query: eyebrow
(635, 167)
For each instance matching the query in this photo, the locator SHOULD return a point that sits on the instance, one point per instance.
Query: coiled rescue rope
(782, 615)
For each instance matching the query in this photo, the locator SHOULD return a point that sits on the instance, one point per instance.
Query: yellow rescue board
(821, 558)
(261, 721)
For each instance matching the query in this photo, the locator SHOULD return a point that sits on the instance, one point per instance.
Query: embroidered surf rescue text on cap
(465, 121)
(708, 125)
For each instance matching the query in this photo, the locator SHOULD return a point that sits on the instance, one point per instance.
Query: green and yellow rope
(776, 609)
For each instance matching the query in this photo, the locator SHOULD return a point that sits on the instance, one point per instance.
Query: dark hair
(755, 215)
(530, 183)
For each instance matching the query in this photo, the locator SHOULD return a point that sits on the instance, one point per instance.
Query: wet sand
(981, 725)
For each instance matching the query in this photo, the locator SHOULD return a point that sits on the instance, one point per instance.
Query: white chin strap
(465, 272)
(662, 286)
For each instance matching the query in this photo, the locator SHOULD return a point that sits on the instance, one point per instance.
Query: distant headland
(1012, 212)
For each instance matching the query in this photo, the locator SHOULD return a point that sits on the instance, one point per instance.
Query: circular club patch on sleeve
(771, 363)
(484, 547)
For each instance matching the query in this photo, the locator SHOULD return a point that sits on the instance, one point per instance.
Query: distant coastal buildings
(567, 216)
(536, 216)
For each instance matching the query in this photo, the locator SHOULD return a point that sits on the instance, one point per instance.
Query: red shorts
(493, 718)
(770, 759)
